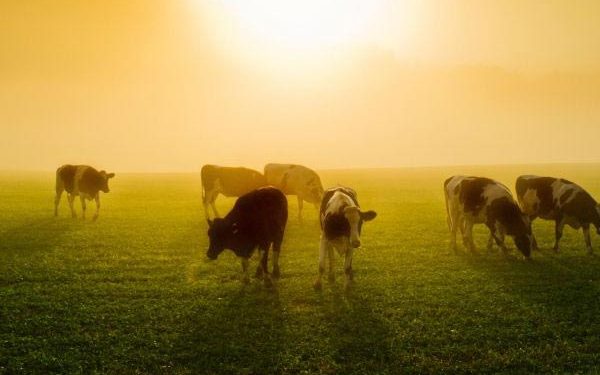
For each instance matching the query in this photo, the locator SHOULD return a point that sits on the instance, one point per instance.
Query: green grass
(133, 292)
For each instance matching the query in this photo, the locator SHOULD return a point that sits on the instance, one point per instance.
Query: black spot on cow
(336, 225)
(471, 193)
(67, 176)
(583, 207)
(543, 187)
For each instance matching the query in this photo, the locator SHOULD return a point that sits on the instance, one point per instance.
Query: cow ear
(110, 175)
(368, 215)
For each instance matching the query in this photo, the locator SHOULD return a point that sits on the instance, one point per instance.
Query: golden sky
(152, 85)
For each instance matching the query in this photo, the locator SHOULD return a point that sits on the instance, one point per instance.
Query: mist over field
(150, 86)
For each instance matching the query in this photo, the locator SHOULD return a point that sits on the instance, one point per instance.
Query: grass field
(133, 291)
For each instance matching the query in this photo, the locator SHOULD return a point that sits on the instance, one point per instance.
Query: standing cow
(560, 200)
(296, 180)
(257, 219)
(83, 181)
(341, 224)
(473, 200)
(229, 181)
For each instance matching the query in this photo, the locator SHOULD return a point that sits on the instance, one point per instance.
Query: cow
(341, 223)
(83, 181)
(296, 180)
(560, 200)
(257, 219)
(480, 200)
(229, 181)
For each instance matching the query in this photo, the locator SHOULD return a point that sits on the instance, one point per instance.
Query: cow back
(233, 182)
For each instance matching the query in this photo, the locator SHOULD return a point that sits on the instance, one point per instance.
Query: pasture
(133, 292)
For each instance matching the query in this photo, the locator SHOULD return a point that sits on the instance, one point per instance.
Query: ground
(134, 292)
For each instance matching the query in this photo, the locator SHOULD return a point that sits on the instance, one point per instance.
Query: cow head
(221, 235)
(523, 237)
(104, 180)
(355, 218)
(313, 191)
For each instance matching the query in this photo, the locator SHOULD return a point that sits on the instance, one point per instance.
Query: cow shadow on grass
(548, 305)
(238, 330)
(35, 236)
(359, 338)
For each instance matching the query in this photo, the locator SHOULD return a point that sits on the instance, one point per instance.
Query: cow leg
(264, 263)
(490, 244)
(213, 199)
(588, 240)
(499, 236)
(331, 256)
(83, 206)
(97, 199)
(245, 277)
(322, 252)
(453, 229)
(71, 198)
(468, 236)
(348, 267)
(57, 197)
(259, 270)
(300, 206)
(558, 229)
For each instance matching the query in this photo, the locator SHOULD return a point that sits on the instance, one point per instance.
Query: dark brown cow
(559, 200)
(229, 181)
(83, 181)
(258, 219)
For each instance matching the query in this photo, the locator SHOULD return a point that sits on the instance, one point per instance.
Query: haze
(172, 85)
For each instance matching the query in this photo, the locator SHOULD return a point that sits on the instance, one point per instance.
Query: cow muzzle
(355, 243)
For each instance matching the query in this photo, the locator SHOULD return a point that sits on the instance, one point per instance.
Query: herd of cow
(259, 216)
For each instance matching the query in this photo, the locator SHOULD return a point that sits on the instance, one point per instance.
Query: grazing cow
(83, 181)
(560, 200)
(296, 180)
(231, 182)
(257, 219)
(341, 224)
(474, 200)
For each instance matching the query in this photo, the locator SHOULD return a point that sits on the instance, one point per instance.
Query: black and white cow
(257, 219)
(83, 181)
(341, 224)
(296, 180)
(560, 200)
(479, 200)
(229, 181)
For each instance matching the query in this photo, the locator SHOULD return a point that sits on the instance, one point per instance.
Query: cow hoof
(259, 273)
(276, 273)
(246, 280)
(331, 278)
(95, 218)
(348, 286)
(268, 282)
(317, 285)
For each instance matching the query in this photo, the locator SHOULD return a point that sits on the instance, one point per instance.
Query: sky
(156, 86)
